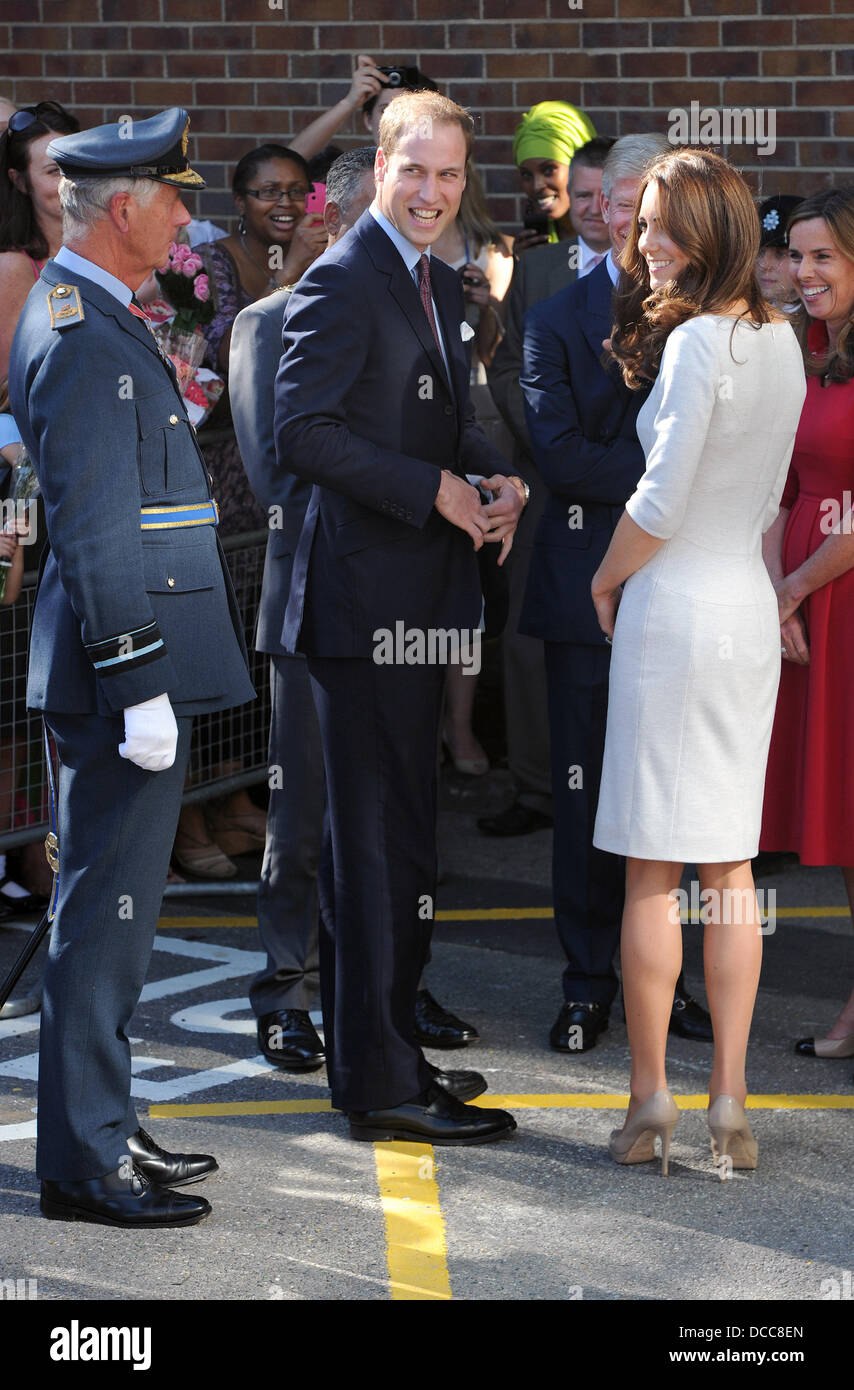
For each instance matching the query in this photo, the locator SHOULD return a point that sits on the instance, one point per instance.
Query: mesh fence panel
(228, 749)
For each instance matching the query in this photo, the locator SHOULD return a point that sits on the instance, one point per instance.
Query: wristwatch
(521, 486)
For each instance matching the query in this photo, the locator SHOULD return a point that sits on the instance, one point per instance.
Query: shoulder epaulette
(64, 306)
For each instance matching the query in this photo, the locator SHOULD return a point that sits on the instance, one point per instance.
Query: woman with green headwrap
(544, 142)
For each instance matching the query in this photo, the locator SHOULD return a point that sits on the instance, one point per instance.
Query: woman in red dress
(809, 791)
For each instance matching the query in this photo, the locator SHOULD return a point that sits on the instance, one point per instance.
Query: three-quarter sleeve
(686, 394)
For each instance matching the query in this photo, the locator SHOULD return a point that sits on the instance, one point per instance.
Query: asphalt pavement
(301, 1212)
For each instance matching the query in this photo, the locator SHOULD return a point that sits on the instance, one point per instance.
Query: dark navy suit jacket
(253, 361)
(582, 426)
(365, 411)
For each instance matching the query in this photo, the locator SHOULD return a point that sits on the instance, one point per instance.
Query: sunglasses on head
(27, 115)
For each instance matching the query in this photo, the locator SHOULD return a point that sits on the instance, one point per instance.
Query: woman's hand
(606, 602)
(8, 545)
(307, 243)
(367, 81)
(527, 238)
(794, 640)
(476, 289)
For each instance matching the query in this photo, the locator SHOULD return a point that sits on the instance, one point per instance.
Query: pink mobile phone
(316, 200)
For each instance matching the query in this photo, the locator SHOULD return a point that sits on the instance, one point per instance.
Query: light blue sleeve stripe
(129, 656)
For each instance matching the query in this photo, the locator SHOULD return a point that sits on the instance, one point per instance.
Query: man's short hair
(630, 157)
(85, 200)
(593, 154)
(344, 178)
(422, 110)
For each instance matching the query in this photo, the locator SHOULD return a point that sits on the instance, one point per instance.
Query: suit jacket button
(449, 410)
(173, 419)
(171, 582)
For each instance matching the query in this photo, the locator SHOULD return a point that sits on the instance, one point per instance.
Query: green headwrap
(551, 130)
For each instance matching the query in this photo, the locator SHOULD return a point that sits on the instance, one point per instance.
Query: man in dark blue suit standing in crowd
(372, 406)
(582, 424)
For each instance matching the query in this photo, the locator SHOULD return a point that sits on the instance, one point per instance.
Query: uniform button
(173, 419)
(449, 410)
(171, 582)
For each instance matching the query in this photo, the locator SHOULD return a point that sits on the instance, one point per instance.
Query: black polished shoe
(462, 1085)
(577, 1027)
(516, 820)
(437, 1118)
(289, 1040)
(168, 1170)
(689, 1019)
(131, 1201)
(435, 1027)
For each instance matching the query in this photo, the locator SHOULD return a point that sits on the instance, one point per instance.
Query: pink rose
(201, 288)
(180, 252)
(188, 269)
(195, 261)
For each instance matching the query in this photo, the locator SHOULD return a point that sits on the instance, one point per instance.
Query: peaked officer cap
(155, 148)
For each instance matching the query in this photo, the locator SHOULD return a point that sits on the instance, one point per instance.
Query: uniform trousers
(588, 884)
(287, 893)
(377, 881)
(116, 824)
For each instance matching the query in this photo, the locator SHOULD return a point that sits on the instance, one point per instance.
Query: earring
(241, 226)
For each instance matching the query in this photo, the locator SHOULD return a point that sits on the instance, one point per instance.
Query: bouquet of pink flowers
(187, 289)
(185, 284)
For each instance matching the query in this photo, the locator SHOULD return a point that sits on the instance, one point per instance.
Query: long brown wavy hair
(835, 206)
(706, 209)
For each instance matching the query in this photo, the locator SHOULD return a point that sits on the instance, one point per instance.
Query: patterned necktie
(426, 293)
(138, 312)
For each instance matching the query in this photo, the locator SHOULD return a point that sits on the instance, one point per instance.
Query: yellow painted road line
(546, 1101)
(172, 923)
(414, 1225)
(241, 1107)
(494, 914)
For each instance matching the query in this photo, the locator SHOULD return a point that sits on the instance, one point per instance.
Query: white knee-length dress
(696, 650)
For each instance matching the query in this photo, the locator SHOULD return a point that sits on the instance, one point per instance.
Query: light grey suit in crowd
(287, 893)
(539, 273)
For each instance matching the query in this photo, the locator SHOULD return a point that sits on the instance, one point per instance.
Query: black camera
(403, 77)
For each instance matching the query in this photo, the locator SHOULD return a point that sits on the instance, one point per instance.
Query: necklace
(272, 282)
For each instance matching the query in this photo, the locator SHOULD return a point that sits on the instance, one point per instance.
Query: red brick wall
(248, 72)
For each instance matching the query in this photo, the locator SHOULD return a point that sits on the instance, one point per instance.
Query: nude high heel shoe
(732, 1137)
(635, 1142)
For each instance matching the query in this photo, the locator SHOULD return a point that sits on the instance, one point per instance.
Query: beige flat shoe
(635, 1142)
(732, 1137)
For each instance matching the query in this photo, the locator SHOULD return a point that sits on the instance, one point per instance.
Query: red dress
(809, 788)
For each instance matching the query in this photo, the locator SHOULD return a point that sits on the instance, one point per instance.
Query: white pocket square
(466, 331)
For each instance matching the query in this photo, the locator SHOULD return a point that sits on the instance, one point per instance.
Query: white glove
(151, 734)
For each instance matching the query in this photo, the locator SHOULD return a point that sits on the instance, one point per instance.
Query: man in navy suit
(582, 424)
(372, 405)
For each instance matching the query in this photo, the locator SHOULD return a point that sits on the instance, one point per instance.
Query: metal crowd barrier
(229, 750)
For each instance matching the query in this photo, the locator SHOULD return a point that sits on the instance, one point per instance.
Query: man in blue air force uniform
(136, 629)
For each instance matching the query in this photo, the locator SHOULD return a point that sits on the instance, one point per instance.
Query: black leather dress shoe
(577, 1027)
(435, 1027)
(289, 1040)
(516, 820)
(689, 1019)
(437, 1118)
(463, 1085)
(133, 1202)
(168, 1170)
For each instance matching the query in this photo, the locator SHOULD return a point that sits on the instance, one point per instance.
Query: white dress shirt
(411, 256)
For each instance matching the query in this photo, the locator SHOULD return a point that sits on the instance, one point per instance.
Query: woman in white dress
(696, 659)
